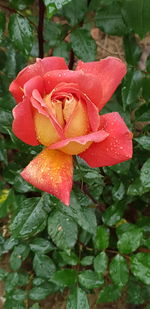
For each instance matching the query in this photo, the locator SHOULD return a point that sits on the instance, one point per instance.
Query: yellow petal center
(70, 115)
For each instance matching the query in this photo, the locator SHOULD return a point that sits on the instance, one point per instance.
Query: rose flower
(59, 108)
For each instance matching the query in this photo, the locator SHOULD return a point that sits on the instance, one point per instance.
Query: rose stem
(40, 28)
(71, 60)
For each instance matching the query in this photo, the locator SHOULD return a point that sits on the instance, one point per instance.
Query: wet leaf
(44, 266)
(119, 270)
(90, 280)
(20, 33)
(77, 299)
(140, 266)
(62, 229)
(101, 239)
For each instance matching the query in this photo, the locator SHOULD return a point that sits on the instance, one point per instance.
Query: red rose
(59, 109)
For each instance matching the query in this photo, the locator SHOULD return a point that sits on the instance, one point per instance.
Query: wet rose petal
(116, 148)
(48, 172)
(39, 68)
(78, 144)
(23, 124)
(109, 72)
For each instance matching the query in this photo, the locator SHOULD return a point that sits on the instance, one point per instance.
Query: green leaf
(20, 33)
(35, 306)
(11, 281)
(136, 188)
(10, 303)
(77, 299)
(145, 174)
(69, 258)
(75, 11)
(130, 240)
(100, 263)
(145, 93)
(31, 219)
(140, 266)
(87, 260)
(20, 4)
(148, 63)
(58, 32)
(83, 45)
(18, 255)
(62, 50)
(118, 191)
(144, 224)
(9, 244)
(143, 112)
(21, 186)
(3, 274)
(6, 199)
(136, 15)
(65, 277)
(62, 229)
(41, 292)
(121, 168)
(146, 242)
(144, 141)
(109, 19)
(41, 245)
(132, 49)
(119, 270)
(137, 293)
(2, 24)
(43, 266)
(101, 239)
(84, 216)
(18, 295)
(90, 280)
(23, 279)
(57, 3)
(109, 294)
(131, 87)
(113, 214)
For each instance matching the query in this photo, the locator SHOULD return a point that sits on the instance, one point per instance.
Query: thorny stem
(40, 28)
(85, 190)
(71, 60)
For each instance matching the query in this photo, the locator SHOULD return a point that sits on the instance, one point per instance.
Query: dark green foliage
(101, 243)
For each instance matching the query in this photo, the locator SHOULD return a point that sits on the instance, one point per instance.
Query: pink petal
(116, 148)
(34, 83)
(41, 107)
(23, 124)
(39, 68)
(87, 83)
(92, 137)
(51, 171)
(109, 72)
(92, 109)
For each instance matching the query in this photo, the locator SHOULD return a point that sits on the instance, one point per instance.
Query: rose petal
(23, 124)
(51, 171)
(78, 123)
(116, 148)
(76, 145)
(42, 108)
(109, 72)
(39, 68)
(45, 131)
(92, 109)
(34, 83)
(87, 83)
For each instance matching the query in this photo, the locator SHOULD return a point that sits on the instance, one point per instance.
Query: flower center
(68, 119)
